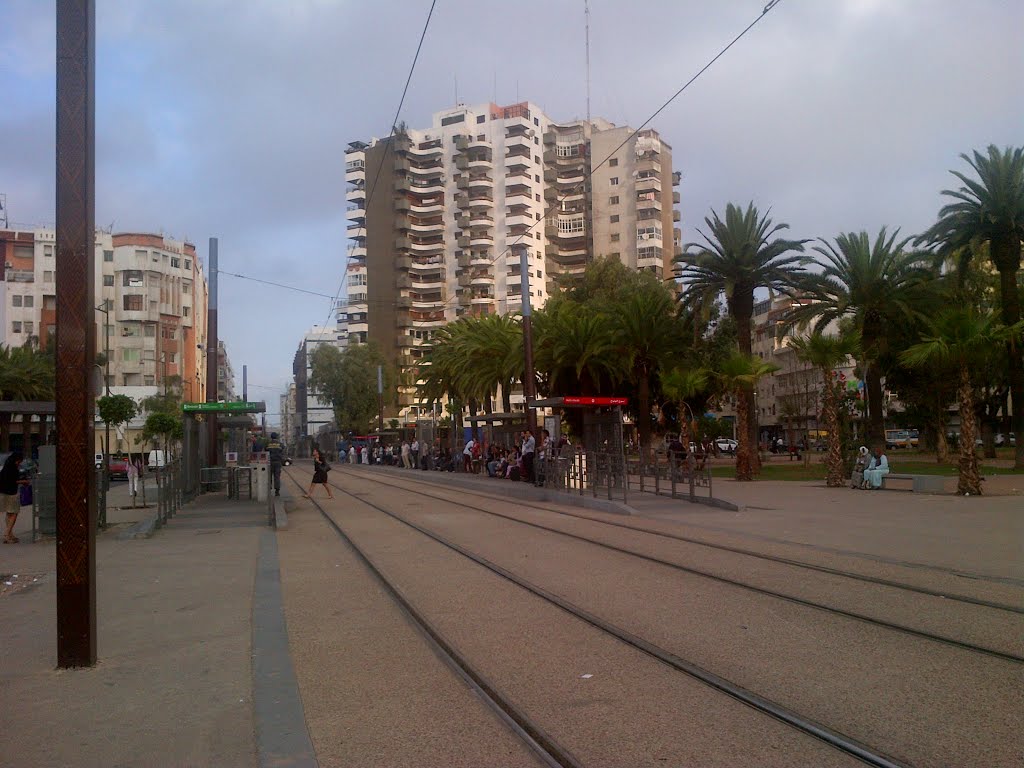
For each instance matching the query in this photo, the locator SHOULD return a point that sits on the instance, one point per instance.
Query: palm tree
(575, 349)
(682, 385)
(495, 345)
(739, 374)
(26, 373)
(738, 257)
(991, 211)
(826, 353)
(649, 335)
(874, 285)
(959, 337)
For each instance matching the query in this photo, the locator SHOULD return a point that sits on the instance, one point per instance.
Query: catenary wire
(391, 133)
(588, 173)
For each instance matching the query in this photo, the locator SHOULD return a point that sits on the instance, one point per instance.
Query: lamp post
(105, 309)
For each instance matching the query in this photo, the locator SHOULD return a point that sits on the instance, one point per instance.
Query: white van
(157, 459)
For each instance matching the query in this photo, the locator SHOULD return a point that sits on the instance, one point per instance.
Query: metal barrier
(235, 478)
(212, 479)
(668, 473)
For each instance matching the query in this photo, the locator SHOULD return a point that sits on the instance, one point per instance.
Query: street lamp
(105, 309)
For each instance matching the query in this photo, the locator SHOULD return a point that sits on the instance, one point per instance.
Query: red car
(117, 466)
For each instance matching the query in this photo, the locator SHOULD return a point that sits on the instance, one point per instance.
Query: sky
(229, 118)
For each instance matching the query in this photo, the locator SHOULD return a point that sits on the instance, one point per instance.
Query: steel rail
(839, 741)
(550, 752)
(755, 554)
(961, 644)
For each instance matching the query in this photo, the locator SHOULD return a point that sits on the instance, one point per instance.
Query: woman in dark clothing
(9, 482)
(320, 470)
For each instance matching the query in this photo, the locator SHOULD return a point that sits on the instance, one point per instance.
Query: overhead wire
(391, 133)
(589, 173)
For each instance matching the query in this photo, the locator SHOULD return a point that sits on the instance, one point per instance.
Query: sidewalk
(174, 682)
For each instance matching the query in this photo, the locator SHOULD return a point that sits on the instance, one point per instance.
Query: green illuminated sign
(239, 406)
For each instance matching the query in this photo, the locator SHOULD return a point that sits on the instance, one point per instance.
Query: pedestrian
(352, 454)
(320, 470)
(10, 479)
(467, 455)
(529, 451)
(863, 459)
(543, 454)
(275, 452)
(133, 477)
(406, 455)
(414, 452)
(877, 469)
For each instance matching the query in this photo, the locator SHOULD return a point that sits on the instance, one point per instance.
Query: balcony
(433, 280)
(481, 239)
(648, 201)
(356, 195)
(20, 276)
(427, 227)
(427, 148)
(402, 243)
(427, 247)
(467, 143)
(517, 151)
(481, 200)
(677, 177)
(403, 205)
(518, 126)
(357, 251)
(649, 183)
(648, 164)
(518, 194)
(423, 186)
(524, 219)
(463, 242)
(675, 216)
(480, 259)
(426, 263)
(480, 219)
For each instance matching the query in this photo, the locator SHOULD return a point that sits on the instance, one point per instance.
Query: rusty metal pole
(75, 334)
(529, 379)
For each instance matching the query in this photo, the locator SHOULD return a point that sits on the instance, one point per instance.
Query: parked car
(1001, 439)
(897, 438)
(726, 445)
(117, 466)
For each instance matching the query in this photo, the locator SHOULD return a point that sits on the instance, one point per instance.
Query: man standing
(529, 450)
(275, 451)
(414, 450)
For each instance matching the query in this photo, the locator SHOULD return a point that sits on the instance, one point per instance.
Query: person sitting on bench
(877, 469)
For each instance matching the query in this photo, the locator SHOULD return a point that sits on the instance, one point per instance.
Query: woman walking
(320, 470)
(9, 482)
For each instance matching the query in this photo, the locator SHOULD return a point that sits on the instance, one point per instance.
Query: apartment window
(148, 380)
(172, 357)
(482, 137)
(615, 255)
(108, 256)
(615, 219)
(16, 326)
(132, 278)
(49, 302)
(130, 355)
(149, 355)
(129, 330)
(537, 198)
(615, 237)
(175, 262)
(567, 150)
(536, 159)
(536, 141)
(16, 300)
(614, 181)
(109, 330)
(132, 302)
(613, 162)
(537, 216)
(149, 331)
(30, 301)
(156, 257)
(48, 276)
(186, 311)
(613, 200)
(536, 121)
(536, 178)
(481, 118)
(188, 264)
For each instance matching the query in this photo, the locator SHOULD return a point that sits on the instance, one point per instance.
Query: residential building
(150, 295)
(289, 427)
(439, 218)
(225, 375)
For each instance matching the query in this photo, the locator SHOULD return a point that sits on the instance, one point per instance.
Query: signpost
(239, 406)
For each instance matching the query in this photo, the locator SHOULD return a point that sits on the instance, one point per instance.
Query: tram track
(942, 594)
(549, 751)
(838, 741)
(889, 625)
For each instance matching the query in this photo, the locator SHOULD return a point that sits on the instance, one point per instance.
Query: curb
(278, 513)
(143, 529)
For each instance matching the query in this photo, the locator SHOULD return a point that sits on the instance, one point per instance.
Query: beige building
(151, 298)
(458, 203)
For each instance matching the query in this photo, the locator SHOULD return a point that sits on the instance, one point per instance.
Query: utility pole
(105, 309)
(75, 335)
(211, 357)
(529, 379)
(380, 400)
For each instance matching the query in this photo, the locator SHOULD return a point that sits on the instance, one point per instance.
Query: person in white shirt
(877, 469)
(529, 450)
(467, 455)
(414, 451)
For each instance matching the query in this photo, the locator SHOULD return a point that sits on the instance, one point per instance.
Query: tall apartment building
(288, 427)
(439, 218)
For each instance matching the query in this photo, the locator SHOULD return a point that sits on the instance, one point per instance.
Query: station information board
(237, 406)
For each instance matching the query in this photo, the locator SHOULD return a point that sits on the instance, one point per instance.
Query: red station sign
(595, 400)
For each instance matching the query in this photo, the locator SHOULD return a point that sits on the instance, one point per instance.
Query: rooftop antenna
(586, 16)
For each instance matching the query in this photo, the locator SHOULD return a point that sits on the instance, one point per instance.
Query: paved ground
(197, 650)
(173, 686)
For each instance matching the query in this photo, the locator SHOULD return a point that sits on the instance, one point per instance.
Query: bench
(921, 483)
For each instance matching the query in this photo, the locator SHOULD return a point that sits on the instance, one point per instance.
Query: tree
(958, 337)
(649, 337)
(26, 373)
(739, 374)
(874, 285)
(737, 257)
(826, 353)
(990, 210)
(348, 381)
(575, 350)
(683, 386)
(115, 410)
